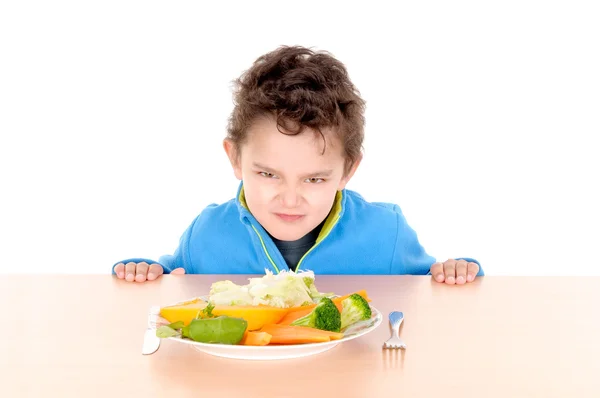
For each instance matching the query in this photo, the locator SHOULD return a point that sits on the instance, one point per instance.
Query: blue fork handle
(396, 319)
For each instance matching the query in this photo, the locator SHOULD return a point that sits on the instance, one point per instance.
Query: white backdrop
(480, 123)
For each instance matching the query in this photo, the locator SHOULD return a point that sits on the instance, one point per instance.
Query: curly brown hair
(300, 88)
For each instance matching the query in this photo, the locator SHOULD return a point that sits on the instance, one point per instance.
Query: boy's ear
(234, 157)
(351, 172)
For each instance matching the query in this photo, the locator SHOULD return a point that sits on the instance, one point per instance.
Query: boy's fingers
(450, 271)
(154, 271)
(141, 271)
(437, 271)
(120, 270)
(461, 272)
(178, 271)
(472, 270)
(130, 272)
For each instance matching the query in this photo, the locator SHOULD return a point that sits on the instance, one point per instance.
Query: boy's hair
(300, 88)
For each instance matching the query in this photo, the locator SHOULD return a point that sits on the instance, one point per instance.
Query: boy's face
(289, 183)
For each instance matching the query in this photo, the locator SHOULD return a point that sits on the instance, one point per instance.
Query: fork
(395, 341)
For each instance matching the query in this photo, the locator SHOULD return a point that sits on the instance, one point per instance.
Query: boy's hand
(453, 271)
(141, 272)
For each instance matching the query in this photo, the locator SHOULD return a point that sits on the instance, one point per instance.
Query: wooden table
(81, 336)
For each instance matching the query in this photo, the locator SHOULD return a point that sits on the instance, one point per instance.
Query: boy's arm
(179, 259)
(409, 256)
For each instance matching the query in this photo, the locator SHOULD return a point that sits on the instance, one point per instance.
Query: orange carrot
(282, 334)
(256, 338)
(292, 316)
(301, 308)
(332, 335)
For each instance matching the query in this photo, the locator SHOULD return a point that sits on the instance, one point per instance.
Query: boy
(294, 141)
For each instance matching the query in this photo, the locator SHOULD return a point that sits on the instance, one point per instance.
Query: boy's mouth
(289, 217)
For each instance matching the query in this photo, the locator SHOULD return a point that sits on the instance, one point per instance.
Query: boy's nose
(290, 198)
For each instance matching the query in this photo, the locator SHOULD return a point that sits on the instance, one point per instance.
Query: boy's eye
(265, 174)
(315, 180)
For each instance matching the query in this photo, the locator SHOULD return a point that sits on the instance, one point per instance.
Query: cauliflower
(228, 293)
(284, 290)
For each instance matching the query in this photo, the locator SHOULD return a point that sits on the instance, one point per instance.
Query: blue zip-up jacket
(358, 237)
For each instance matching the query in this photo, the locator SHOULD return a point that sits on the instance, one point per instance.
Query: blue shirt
(357, 238)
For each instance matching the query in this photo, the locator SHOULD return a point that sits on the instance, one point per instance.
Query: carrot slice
(283, 334)
(333, 335)
(301, 308)
(292, 316)
(256, 338)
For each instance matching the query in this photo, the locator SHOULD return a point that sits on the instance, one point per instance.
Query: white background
(481, 119)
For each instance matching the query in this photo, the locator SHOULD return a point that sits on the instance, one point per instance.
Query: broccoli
(324, 316)
(354, 308)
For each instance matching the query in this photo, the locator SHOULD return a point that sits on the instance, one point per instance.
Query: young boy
(294, 141)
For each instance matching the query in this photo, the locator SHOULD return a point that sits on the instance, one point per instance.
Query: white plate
(284, 351)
